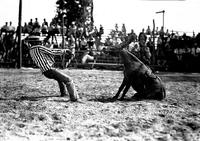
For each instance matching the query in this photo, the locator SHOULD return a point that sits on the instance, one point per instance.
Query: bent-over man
(44, 59)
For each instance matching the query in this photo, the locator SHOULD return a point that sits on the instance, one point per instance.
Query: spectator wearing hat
(44, 59)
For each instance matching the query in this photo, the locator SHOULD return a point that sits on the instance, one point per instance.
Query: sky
(180, 15)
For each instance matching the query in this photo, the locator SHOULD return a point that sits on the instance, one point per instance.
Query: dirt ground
(31, 109)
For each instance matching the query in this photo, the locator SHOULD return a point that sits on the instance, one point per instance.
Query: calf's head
(129, 60)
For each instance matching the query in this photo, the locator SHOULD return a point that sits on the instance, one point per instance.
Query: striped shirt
(44, 57)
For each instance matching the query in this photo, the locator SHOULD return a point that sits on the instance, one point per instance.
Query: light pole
(19, 62)
(163, 12)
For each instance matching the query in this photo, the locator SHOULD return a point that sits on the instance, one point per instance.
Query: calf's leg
(128, 85)
(124, 82)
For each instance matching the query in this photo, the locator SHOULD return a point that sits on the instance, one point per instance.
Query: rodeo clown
(44, 59)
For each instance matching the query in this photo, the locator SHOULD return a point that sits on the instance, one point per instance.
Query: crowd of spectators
(156, 47)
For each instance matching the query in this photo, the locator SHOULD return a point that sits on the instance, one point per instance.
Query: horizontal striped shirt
(44, 57)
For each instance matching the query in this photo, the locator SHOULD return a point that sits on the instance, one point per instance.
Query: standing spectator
(36, 28)
(116, 27)
(36, 24)
(101, 31)
(30, 24)
(167, 34)
(45, 22)
(123, 30)
(156, 31)
(148, 31)
(11, 28)
(5, 28)
(44, 27)
(150, 44)
(142, 38)
(26, 29)
(132, 36)
(161, 32)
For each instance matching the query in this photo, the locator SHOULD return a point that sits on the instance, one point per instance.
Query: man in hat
(44, 59)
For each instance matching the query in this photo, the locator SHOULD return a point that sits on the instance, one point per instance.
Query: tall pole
(163, 19)
(163, 12)
(19, 30)
(153, 54)
(63, 37)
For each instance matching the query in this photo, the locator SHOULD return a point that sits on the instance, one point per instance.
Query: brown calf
(140, 77)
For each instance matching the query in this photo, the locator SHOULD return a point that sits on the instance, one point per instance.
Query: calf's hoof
(121, 99)
(114, 98)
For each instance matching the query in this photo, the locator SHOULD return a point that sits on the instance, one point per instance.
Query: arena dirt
(31, 109)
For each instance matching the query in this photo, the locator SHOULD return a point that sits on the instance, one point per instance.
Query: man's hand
(68, 53)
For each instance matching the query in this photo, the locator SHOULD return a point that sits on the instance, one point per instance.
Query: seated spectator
(90, 53)
(87, 57)
(91, 41)
(83, 43)
(108, 42)
(56, 29)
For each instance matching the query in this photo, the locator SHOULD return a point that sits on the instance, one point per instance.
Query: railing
(104, 61)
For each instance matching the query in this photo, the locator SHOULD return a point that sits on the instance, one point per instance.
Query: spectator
(26, 29)
(82, 43)
(132, 36)
(72, 30)
(45, 23)
(5, 28)
(91, 41)
(116, 27)
(11, 28)
(142, 38)
(148, 31)
(108, 42)
(44, 27)
(101, 31)
(167, 34)
(156, 31)
(36, 24)
(150, 44)
(30, 24)
(161, 32)
(123, 30)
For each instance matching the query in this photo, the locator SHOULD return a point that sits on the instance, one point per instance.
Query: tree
(78, 11)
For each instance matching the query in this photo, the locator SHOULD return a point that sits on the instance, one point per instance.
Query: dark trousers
(63, 81)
